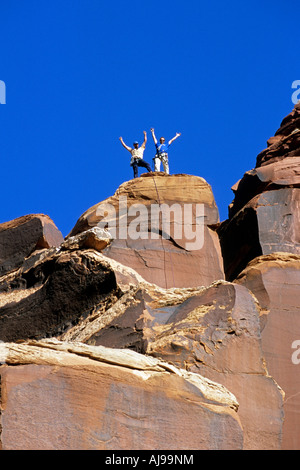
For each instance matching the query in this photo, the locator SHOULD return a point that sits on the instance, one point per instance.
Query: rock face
(214, 331)
(144, 403)
(187, 326)
(217, 333)
(261, 251)
(196, 330)
(270, 222)
(169, 252)
(275, 280)
(286, 141)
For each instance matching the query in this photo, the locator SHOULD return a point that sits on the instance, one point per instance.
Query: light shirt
(138, 153)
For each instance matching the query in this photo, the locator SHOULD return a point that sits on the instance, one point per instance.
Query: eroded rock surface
(270, 222)
(264, 216)
(286, 141)
(275, 280)
(213, 331)
(170, 254)
(60, 396)
(261, 248)
(53, 294)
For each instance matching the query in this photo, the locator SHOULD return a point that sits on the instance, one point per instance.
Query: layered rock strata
(210, 331)
(61, 396)
(213, 331)
(53, 294)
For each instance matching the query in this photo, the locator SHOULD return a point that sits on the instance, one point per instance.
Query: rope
(162, 244)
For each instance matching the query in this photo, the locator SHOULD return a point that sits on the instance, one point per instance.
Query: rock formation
(65, 396)
(161, 253)
(261, 251)
(213, 331)
(185, 324)
(275, 280)
(53, 294)
(21, 237)
(264, 215)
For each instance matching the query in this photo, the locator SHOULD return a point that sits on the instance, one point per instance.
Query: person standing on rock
(162, 152)
(137, 154)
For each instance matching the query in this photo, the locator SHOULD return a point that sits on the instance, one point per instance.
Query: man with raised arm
(137, 154)
(162, 152)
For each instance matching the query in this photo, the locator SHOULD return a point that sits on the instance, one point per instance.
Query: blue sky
(79, 74)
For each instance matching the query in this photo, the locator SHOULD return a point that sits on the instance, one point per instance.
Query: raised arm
(153, 135)
(145, 139)
(124, 145)
(178, 134)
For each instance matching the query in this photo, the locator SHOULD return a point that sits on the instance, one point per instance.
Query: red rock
(57, 396)
(286, 141)
(165, 261)
(19, 238)
(229, 381)
(217, 334)
(270, 222)
(276, 166)
(261, 250)
(275, 281)
(53, 294)
(214, 331)
(277, 175)
(285, 147)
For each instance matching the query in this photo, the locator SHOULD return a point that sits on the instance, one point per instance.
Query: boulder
(20, 237)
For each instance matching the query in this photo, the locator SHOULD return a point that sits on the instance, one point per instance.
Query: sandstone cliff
(146, 340)
(261, 251)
